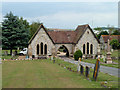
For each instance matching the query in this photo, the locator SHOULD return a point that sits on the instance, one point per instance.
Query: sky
(65, 15)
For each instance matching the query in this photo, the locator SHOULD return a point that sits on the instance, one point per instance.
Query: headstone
(96, 69)
(13, 54)
(54, 61)
(81, 69)
(51, 58)
(104, 59)
(6, 53)
(87, 71)
(108, 55)
(79, 62)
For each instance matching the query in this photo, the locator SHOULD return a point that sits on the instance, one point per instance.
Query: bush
(77, 54)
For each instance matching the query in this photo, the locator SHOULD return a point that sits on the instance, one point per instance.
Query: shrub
(77, 54)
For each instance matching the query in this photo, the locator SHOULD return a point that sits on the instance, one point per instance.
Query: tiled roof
(63, 36)
(106, 37)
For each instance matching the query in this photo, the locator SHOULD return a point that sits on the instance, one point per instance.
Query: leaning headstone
(87, 71)
(81, 69)
(96, 69)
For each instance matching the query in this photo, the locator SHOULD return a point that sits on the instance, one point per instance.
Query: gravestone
(79, 62)
(54, 61)
(108, 55)
(51, 58)
(96, 69)
(87, 71)
(81, 69)
(5, 53)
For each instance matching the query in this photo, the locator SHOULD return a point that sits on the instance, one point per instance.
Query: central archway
(63, 51)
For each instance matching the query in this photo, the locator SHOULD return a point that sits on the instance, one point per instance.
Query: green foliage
(116, 32)
(15, 32)
(115, 43)
(102, 33)
(33, 28)
(77, 54)
(98, 29)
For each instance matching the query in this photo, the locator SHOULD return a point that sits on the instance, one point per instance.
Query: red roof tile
(106, 37)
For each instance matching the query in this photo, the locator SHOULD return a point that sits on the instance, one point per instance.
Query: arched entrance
(63, 51)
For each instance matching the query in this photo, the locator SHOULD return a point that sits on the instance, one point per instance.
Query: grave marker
(96, 69)
(81, 69)
(87, 71)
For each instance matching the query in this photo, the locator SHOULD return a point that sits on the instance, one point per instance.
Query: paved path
(110, 70)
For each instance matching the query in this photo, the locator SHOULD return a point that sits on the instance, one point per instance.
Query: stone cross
(108, 49)
(108, 56)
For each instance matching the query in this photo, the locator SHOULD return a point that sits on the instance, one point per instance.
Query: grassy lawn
(45, 74)
(109, 65)
(9, 56)
(114, 53)
(0, 76)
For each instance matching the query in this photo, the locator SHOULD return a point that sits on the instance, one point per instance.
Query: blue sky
(65, 15)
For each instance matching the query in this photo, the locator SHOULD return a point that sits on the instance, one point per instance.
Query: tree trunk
(10, 51)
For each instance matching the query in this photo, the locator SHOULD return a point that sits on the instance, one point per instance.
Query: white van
(24, 51)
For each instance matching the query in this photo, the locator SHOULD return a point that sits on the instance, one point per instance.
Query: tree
(14, 32)
(33, 28)
(115, 43)
(116, 32)
(102, 33)
(77, 54)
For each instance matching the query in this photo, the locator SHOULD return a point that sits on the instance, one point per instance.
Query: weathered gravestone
(108, 56)
(87, 71)
(6, 53)
(54, 61)
(79, 62)
(81, 69)
(51, 58)
(96, 69)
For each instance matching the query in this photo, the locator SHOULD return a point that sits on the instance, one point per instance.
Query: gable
(83, 32)
(36, 33)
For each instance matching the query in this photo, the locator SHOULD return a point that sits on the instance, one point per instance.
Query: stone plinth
(108, 57)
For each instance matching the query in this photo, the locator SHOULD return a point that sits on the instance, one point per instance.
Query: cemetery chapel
(46, 42)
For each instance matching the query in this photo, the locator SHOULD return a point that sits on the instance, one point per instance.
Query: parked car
(24, 51)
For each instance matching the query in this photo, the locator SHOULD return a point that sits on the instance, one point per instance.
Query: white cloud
(72, 19)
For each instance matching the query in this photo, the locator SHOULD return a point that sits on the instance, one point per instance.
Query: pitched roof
(106, 37)
(63, 36)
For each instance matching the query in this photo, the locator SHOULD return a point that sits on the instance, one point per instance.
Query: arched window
(37, 49)
(41, 48)
(91, 49)
(87, 48)
(84, 49)
(45, 49)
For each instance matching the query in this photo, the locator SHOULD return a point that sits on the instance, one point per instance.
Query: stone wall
(40, 37)
(87, 37)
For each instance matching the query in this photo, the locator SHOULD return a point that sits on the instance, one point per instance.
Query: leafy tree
(33, 28)
(14, 32)
(116, 32)
(77, 54)
(102, 33)
(115, 43)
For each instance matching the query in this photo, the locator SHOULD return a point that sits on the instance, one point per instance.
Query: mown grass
(45, 74)
(112, 80)
(113, 54)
